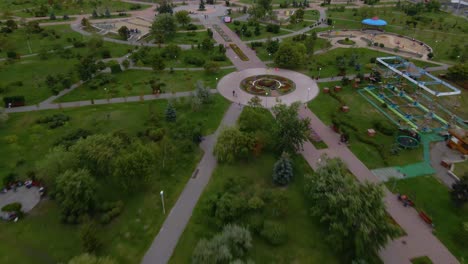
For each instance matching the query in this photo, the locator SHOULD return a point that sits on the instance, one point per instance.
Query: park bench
(425, 217)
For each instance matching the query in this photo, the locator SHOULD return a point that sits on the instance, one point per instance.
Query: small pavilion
(374, 23)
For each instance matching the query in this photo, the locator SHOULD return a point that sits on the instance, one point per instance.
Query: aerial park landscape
(237, 131)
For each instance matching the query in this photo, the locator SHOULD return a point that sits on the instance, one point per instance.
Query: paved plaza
(306, 88)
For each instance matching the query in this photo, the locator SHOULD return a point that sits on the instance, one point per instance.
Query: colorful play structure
(403, 95)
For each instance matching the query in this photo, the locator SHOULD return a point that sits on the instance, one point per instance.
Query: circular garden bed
(346, 41)
(267, 85)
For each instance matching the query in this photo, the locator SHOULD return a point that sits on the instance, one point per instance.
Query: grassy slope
(40, 237)
(434, 198)
(305, 238)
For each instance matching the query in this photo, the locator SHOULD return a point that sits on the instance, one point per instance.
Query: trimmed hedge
(13, 207)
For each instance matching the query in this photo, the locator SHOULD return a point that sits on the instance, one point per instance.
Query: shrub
(115, 68)
(237, 23)
(273, 233)
(273, 28)
(54, 121)
(194, 60)
(105, 54)
(381, 45)
(383, 128)
(12, 207)
(191, 27)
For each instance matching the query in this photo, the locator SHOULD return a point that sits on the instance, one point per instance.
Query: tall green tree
(124, 32)
(89, 238)
(354, 214)
(157, 63)
(290, 55)
(133, 168)
(290, 130)
(96, 153)
(163, 27)
(183, 17)
(171, 114)
(87, 68)
(283, 170)
(459, 192)
(232, 145)
(75, 194)
(55, 163)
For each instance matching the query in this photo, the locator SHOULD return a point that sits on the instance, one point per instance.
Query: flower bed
(239, 52)
(264, 85)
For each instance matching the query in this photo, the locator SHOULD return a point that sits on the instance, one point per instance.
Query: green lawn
(18, 40)
(362, 114)
(434, 198)
(421, 260)
(40, 237)
(263, 54)
(305, 242)
(439, 30)
(32, 73)
(311, 15)
(20, 8)
(461, 168)
(135, 82)
(189, 38)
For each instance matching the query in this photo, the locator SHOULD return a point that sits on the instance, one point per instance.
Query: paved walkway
(306, 88)
(419, 240)
(165, 242)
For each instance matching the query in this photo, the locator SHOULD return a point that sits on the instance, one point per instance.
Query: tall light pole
(308, 91)
(266, 100)
(162, 201)
(319, 72)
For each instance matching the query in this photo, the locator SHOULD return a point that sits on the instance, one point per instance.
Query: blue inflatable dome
(375, 21)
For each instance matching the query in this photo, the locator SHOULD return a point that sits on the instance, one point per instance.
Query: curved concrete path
(306, 88)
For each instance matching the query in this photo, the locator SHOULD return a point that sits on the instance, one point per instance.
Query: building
(458, 140)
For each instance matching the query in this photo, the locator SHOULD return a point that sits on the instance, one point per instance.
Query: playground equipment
(408, 106)
(407, 142)
(416, 75)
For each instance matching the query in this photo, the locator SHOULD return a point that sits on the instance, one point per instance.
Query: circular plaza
(272, 86)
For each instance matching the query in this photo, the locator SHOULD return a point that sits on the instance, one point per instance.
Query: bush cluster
(54, 121)
(110, 211)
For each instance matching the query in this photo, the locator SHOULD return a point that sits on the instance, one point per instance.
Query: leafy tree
(299, 14)
(163, 27)
(183, 17)
(207, 44)
(132, 168)
(228, 246)
(309, 44)
(203, 93)
(55, 163)
(229, 207)
(87, 68)
(89, 238)
(165, 7)
(95, 14)
(290, 130)
(433, 6)
(459, 192)
(107, 13)
(272, 46)
(232, 145)
(171, 113)
(52, 16)
(124, 32)
(91, 259)
(85, 23)
(283, 170)
(274, 233)
(261, 8)
(75, 194)
(255, 102)
(97, 152)
(290, 54)
(354, 213)
(157, 63)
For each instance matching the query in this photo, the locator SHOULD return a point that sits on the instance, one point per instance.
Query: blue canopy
(375, 21)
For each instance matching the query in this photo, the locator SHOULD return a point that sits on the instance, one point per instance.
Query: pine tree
(94, 14)
(283, 171)
(107, 13)
(171, 113)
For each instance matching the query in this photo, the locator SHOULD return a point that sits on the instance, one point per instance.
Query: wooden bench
(425, 217)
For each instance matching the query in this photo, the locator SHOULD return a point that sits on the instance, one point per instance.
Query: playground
(139, 27)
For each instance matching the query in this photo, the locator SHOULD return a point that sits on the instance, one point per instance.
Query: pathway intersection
(418, 241)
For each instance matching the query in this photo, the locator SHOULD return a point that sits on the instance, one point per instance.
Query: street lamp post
(308, 91)
(162, 201)
(266, 100)
(319, 72)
